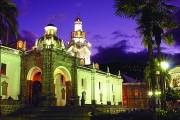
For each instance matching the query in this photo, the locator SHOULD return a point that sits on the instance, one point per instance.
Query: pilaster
(93, 74)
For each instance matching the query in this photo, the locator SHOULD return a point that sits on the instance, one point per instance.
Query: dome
(50, 38)
(50, 29)
(48, 41)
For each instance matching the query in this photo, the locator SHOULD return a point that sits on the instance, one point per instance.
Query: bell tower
(78, 46)
(78, 24)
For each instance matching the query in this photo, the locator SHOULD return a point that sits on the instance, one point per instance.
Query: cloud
(118, 34)
(176, 36)
(112, 53)
(117, 58)
(122, 44)
(129, 63)
(97, 38)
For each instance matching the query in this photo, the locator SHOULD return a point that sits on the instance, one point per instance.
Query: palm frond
(8, 15)
(169, 40)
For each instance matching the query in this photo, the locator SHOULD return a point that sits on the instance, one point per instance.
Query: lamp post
(159, 92)
(164, 66)
(156, 94)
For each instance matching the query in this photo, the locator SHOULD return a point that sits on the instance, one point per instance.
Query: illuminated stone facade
(50, 75)
(10, 65)
(175, 77)
(78, 46)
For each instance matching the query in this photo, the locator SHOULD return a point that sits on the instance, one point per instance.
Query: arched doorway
(62, 82)
(34, 84)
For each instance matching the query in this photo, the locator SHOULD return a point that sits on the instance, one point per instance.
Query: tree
(151, 16)
(8, 23)
(172, 95)
(162, 21)
(141, 12)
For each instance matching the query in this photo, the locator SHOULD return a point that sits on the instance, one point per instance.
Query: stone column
(23, 80)
(48, 79)
(74, 93)
(93, 74)
(108, 87)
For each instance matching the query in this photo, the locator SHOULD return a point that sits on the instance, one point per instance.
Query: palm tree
(151, 16)
(8, 23)
(141, 12)
(162, 21)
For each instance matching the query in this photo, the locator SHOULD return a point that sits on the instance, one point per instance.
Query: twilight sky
(104, 29)
(115, 41)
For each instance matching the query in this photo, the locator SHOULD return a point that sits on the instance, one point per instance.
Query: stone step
(52, 113)
(46, 118)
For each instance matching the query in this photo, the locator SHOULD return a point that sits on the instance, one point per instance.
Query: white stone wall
(86, 75)
(11, 58)
(106, 80)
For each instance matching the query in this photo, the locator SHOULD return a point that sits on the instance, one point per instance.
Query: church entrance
(36, 89)
(62, 86)
(34, 86)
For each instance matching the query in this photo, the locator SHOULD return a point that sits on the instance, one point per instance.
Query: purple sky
(103, 27)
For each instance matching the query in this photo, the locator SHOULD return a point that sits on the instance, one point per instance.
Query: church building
(55, 74)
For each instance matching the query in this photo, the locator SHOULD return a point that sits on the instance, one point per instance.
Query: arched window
(4, 88)
(101, 97)
(114, 99)
(99, 85)
(63, 93)
(83, 95)
(2, 69)
(82, 82)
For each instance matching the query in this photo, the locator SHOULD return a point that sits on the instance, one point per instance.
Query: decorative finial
(78, 18)
(119, 73)
(107, 69)
(93, 65)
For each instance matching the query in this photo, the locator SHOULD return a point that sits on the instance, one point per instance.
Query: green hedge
(140, 115)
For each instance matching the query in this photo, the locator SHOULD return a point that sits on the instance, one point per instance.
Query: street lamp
(157, 93)
(164, 65)
(150, 93)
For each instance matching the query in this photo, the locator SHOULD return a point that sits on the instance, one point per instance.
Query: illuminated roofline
(10, 50)
(135, 83)
(97, 71)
